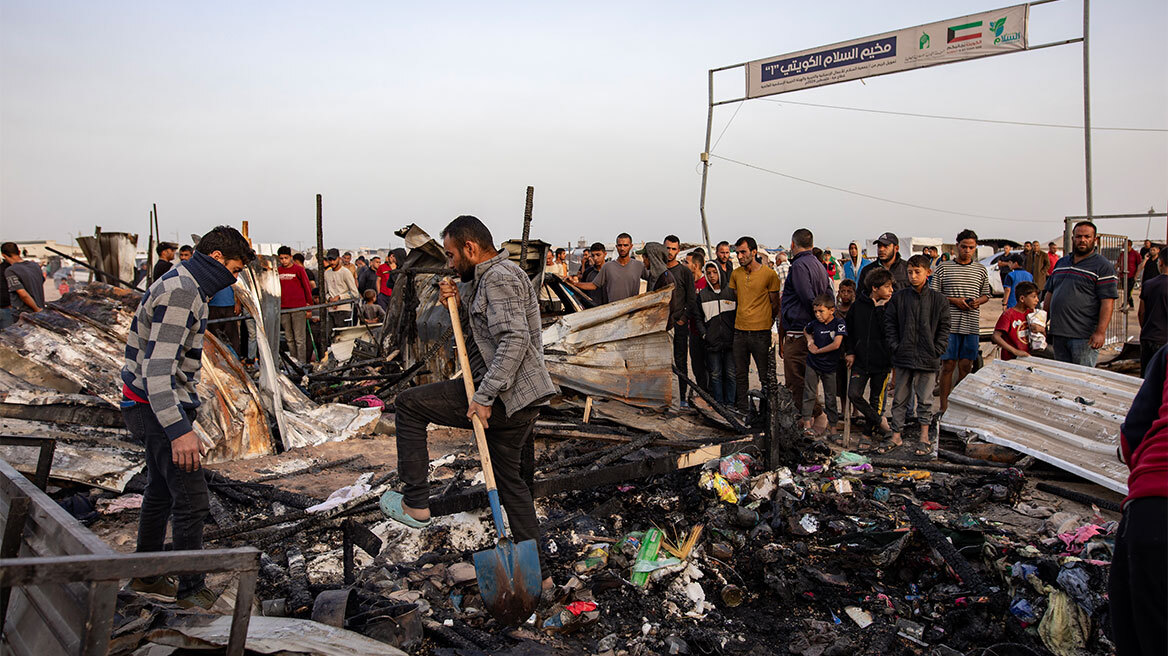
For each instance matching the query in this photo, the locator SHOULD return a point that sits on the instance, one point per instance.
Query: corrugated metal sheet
(1060, 413)
(618, 351)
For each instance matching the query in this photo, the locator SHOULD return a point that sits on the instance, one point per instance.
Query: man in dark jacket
(887, 256)
(806, 280)
(716, 328)
(866, 351)
(682, 306)
(916, 326)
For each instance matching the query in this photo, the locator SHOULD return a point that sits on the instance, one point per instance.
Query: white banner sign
(958, 39)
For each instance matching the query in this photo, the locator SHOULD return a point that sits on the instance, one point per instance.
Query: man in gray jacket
(500, 313)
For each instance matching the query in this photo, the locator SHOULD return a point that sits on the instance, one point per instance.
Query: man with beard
(619, 278)
(887, 256)
(756, 289)
(1079, 297)
(500, 313)
(724, 261)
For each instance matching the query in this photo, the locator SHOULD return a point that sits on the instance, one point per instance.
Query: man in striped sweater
(966, 283)
(163, 358)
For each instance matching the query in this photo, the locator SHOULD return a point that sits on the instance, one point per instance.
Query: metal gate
(1112, 247)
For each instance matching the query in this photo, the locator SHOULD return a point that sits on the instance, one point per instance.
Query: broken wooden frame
(66, 578)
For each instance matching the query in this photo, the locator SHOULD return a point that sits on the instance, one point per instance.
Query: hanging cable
(870, 196)
(727, 126)
(960, 118)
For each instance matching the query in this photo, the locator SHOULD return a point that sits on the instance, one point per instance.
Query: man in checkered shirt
(501, 311)
(164, 352)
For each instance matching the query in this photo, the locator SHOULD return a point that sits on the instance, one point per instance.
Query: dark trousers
(720, 366)
(171, 494)
(813, 380)
(752, 344)
(841, 382)
(795, 369)
(698, 361)
(509, 440)
(871, 407)
(1131, 283)
(1148, 348)
(1138, 588)
(680, 352)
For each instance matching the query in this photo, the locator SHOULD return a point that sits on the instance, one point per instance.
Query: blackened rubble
(806, 555)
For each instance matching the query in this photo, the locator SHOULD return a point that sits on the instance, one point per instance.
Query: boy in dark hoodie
(916, 326)
(716, 328)
(867, 353)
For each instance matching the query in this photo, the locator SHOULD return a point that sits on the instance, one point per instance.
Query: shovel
(509, 576)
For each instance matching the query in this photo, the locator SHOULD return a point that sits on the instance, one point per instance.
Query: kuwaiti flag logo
(967, 32)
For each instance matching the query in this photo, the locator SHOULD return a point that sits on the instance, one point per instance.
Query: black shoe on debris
(203, 598)
(160, 586)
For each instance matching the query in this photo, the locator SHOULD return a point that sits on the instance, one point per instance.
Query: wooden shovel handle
(468, 382)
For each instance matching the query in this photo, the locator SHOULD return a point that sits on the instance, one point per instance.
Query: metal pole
(327, 332)
(150, 253)
(706, 163)
(1087, 102)
(1067, 233)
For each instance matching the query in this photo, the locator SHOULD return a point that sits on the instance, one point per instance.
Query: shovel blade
(509, 580)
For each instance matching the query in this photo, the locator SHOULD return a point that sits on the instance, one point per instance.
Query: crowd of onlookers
(859, 328)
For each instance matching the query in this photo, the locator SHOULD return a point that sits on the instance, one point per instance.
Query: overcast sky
(418, 112)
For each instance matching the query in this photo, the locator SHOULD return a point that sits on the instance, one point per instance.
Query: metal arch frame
(711, 104)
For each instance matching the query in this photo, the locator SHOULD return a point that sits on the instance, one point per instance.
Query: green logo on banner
(924, 41)
(997, 26)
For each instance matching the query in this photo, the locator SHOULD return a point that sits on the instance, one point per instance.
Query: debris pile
(834, 555)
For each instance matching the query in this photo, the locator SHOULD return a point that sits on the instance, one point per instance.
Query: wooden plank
(100, 621)
(241, 614)
(14, 521)
(48, 518)
(118, 566)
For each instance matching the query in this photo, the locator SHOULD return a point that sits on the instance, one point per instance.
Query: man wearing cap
(887, 256)
(165, 251)
(339, 285)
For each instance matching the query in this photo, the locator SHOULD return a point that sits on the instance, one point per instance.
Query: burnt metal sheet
(1060, 413)
(270, 635)
(105, 458)
(117, 250)
(618, 351)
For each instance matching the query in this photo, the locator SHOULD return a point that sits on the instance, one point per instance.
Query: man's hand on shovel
(448, 290)
(483, 412)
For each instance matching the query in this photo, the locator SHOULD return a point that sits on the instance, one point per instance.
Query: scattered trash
(735, 468)
(850, 458)
(358, 489)
(124, 502)
(861, 617)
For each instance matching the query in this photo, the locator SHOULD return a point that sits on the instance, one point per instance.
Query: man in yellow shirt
(756, 288)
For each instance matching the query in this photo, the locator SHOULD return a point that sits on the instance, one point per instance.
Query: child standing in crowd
(916, 326)
(1012, 332)
(867, 351)
(844, 298)
(371, 312)
(825, 336)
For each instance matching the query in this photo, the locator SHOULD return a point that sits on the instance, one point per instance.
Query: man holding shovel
(500, 312)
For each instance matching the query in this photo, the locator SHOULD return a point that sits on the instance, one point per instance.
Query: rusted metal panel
(117, 251)
(1060, 413)
(618, 350)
